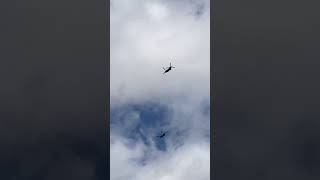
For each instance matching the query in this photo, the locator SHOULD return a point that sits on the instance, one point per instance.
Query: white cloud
(140, 48)
(156, 11)
(145, 36)
(188, 162)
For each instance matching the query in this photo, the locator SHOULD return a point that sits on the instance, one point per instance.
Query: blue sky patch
(138, 121)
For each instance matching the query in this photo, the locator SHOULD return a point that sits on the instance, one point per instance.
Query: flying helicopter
(168, 69)
(162, 134)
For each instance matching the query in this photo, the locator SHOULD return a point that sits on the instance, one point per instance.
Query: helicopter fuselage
(169, 68)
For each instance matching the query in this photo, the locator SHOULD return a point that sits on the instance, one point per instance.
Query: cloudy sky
(146, 36)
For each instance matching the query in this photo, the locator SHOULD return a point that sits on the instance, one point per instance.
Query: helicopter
(162, 134)
(168, 69)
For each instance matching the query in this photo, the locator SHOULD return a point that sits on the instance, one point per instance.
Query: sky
(144, 37)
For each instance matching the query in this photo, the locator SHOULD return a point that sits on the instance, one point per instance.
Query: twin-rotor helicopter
(167, 69)
(163, 134)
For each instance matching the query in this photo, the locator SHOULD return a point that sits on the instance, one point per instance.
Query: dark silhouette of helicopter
(162, 134)
(168, 69)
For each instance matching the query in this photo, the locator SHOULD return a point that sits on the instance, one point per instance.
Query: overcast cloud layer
(146, 36)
